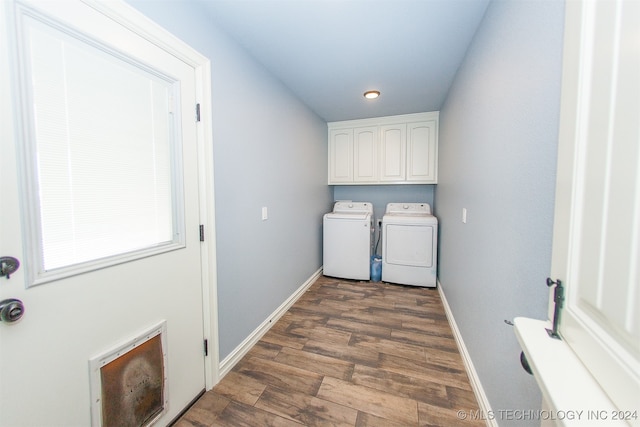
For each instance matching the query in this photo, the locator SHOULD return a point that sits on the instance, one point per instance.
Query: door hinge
(206, 347)
(197, 112)
(202, 232)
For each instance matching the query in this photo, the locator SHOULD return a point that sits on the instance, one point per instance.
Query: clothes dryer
(347, 240)
(409, 244)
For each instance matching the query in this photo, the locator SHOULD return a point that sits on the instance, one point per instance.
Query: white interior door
(596, 248)
(93, 276)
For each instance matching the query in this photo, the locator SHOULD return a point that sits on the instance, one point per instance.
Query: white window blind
(103, 137)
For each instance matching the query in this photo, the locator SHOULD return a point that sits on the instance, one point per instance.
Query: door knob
(8, 265)
(11, 310)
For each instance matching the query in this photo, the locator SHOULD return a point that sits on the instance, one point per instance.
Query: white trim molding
(241, 350)
(476, 385)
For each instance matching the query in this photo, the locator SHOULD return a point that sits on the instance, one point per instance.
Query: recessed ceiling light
(371, 94)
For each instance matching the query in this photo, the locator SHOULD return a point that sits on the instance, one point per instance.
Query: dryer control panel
(408, 209)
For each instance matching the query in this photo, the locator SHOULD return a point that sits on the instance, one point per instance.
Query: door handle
(11, 310)
(8, 265)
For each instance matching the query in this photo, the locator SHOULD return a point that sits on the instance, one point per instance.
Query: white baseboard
(239, 352)
(476, 385)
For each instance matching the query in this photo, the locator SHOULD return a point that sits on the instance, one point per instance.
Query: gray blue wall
(497, 159)
(269, 150)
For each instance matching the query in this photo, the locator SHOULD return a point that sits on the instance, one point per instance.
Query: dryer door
(409, 244)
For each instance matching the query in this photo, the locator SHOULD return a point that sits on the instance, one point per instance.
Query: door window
(101, 153)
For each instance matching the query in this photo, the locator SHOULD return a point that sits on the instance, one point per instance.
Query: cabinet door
(422, 152)
(340, 156)
(365, 148)
(393, 147)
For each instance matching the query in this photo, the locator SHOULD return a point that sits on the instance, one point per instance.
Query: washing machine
(409, 244)
(347, 242)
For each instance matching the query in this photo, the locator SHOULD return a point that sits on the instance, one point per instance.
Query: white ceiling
(329, 52)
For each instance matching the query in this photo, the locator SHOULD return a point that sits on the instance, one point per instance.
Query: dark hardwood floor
(347, 353)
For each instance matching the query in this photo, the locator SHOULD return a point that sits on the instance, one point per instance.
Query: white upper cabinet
(422, 151)
(341, 156)
(393, 149)
(365, 150)
(384, 150)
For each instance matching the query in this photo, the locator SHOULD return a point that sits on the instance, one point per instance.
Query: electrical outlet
(379, 223)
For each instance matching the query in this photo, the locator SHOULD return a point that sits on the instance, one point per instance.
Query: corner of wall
(243, 348)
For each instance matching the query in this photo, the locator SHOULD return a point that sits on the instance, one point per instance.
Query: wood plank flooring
(347, 353)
